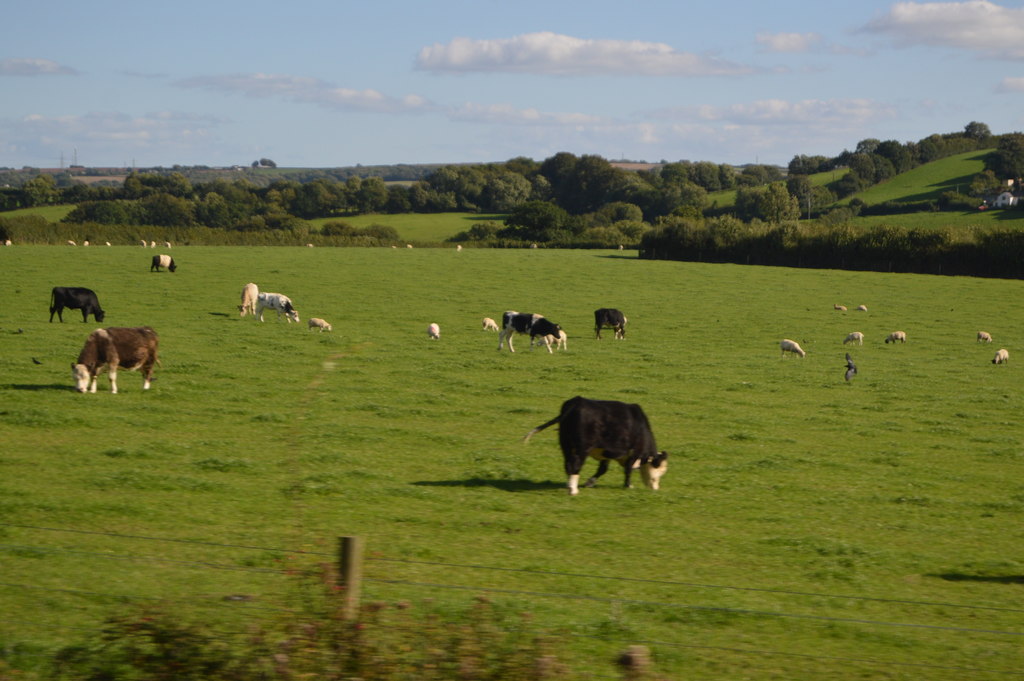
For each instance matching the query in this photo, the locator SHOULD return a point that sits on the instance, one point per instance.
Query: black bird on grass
(851, 368)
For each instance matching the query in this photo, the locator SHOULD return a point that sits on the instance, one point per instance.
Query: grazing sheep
(841, 308)
(490, 325)
(250, 293)
(309, 245)
(408, 245)
(788, 345)
(855, 337)
(458, 247)
(433, 332)
(320, 324)
(1002, 356)
(984, 337)
(152, 244)
(559, 341)
(7, 242)
(143, 242)
(85, 243)
(862, 308)
(108, 243)
(71, 243)
(900, 336)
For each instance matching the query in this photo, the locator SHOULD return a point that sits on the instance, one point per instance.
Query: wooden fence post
(350, 574)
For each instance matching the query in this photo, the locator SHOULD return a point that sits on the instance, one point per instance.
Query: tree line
(564, 200)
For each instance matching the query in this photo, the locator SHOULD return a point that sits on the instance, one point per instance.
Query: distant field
(424, 227)
(806, 529)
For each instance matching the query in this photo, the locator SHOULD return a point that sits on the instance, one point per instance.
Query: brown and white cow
(115, 348)
(250, 292)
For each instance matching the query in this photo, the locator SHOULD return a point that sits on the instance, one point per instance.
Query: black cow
(610, 318)
(75, 298)
(607, 431)
(513, 322)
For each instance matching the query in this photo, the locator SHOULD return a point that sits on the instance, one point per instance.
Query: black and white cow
(609, 318)
(115, 348)
(607, 431)
(279, 303)
(162, 261)
(75, 298)
(535, 325)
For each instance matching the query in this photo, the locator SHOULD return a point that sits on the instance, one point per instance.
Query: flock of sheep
(791, 346)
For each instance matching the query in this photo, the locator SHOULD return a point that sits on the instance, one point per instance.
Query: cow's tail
(541, 427)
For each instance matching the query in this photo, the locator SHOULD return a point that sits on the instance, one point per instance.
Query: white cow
(434, 332)
(320, 324)
(250, 292)
(855, 337)
(788, 345)
(1002, 356)
(490, 325)
(984, 337)
(277, 302)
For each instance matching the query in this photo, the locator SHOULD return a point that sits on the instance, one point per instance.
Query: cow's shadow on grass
(37, 386)
(218, 314)
(991, 579)
(500, 484)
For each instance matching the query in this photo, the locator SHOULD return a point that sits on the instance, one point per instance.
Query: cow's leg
(510, 334)
(573, 464)
(628, 466)
(113, 380)
(92, 382)
(85, 315)
(601, 469)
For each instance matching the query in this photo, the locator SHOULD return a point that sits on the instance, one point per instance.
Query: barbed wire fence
(372, 576)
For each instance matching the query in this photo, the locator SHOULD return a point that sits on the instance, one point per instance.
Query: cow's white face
(652, 472)
(293, 315)
(80, 373)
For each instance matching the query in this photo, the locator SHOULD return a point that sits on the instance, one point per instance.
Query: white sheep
(896, 336)
(490, 324)
(862, 308)
(984, 337)
(1002, 356)
(788, 345)
(320, 324)
(841, 308)
(854, 337)
(71, 243)
(433, 332)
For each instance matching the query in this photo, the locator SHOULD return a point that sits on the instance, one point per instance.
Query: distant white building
(1005, 200)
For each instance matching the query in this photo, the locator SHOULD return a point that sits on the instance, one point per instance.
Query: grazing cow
(277, 302)
(984, 337)
(788, 345)
(75, 298)
(1002, 356)
(162, 261)
(607, 431)
(896, 336)
(513, 322)
(490, 324)
(250, 292)
(115, 348)
(854, 337)
(610, 318)
(320, 324)
(434, 332)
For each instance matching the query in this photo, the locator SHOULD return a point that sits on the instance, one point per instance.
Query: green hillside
(928, 181)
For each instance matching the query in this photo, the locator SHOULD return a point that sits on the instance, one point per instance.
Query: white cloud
(33, 67)
(788, 42)
(816, 113)
(554, 54)
(506, 114)
(308, 91)
(1011, 85)
(977, 26)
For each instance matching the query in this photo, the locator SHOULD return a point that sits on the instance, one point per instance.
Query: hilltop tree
(1007, 161)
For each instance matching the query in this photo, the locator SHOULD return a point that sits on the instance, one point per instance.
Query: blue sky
(336, 83)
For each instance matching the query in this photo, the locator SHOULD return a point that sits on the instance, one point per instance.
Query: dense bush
(886, 248)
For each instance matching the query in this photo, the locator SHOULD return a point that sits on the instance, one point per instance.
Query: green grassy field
(807, 528)
(928, 181)
(418, 227)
